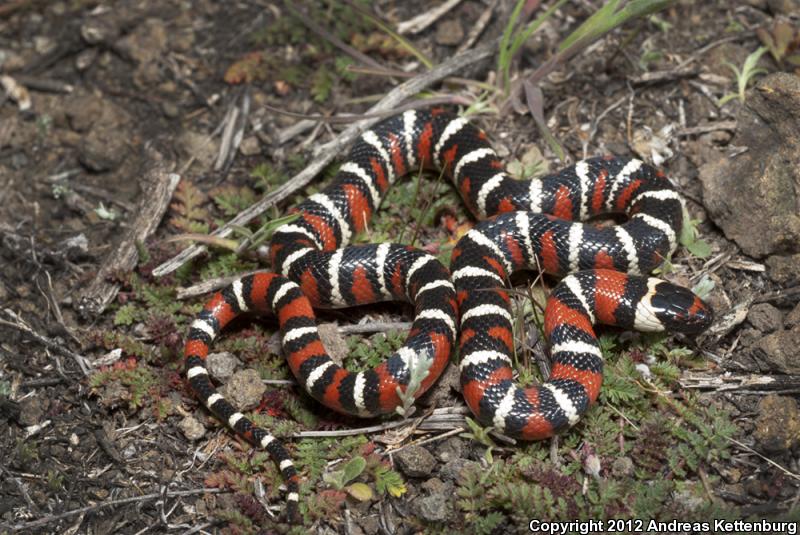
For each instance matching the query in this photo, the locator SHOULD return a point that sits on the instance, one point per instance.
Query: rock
(779, 351)
(85, 59)
(454, 470)
(753, 197)
(170, 109)
(250, 146)
(191, 428)
(792, 319)
(765, 317)
(145, 45)
(99, 30)
(449, 32)
(435, 484)
(452, 448)
(201, 146)
(32, 410)
(244, 390)
(415, 461)
(146, 42)
(777, 424)
(370, 524)
(434, 508)
(784, 7)
(102, 150)
(784, 269)
(222, 365)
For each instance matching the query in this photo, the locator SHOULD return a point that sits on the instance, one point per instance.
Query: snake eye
(680, 310)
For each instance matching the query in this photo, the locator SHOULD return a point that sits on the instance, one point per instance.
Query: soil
(106, 78)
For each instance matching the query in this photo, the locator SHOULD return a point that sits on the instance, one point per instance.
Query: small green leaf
(699, 248)
(353, 469)
(359, 491)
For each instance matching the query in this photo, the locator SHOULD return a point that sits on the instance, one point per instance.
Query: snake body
(528, 224)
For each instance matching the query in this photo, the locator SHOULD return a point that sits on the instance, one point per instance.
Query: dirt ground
(100, 433)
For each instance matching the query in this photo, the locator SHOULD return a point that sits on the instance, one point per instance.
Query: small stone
(792, 319)
(765, 317)
(99, 30)
(43, 44)
(450, 32)
(191, 428)
(370, 524)
(434, 508)
(779, 351)
(250, 146)
(203, 148)
(222, 365)
(415, 461)
(32, 410)
(452, 470)
(777, 424)
(244, 390)
(435, 484)
(101, 151)
(784, 270)
(170, 109)
(452, 448)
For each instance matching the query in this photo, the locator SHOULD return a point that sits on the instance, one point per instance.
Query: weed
(514, 37)
(364, 354)
(140, 380)
(744, 76)
(55, 480)
(418, 367)
(189, 201)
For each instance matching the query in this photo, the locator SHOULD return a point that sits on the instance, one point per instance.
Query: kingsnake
(529, 228)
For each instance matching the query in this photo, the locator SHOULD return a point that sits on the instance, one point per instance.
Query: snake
(538, 224)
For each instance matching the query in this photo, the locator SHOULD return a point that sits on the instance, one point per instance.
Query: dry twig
(158, 185)
(111, 503)
(327, 152)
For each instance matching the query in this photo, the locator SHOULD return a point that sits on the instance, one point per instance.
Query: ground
(103, 434)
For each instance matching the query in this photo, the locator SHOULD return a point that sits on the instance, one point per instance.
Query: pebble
(222, 365)
(250, 146)
(244, 390)
(765, 317)
(191, 428)
(415, 461)
(777, 424)
(449, 32)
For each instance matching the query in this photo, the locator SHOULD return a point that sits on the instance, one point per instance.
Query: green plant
(690, 237)
(339, 479)
(744, 76)
(388, 481)
(514, 37)
(418, 367)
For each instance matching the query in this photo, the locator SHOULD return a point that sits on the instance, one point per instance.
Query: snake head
(680, 310)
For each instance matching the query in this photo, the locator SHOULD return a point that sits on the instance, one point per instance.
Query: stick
(423, 20)
(327, 152)
(111, 503)
(158, 185)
